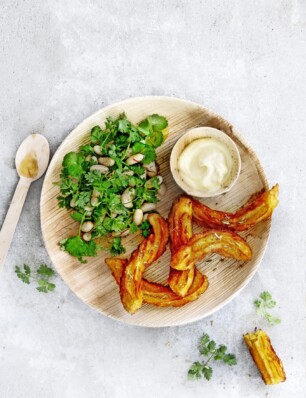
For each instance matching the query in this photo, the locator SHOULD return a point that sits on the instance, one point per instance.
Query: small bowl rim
(198, 133)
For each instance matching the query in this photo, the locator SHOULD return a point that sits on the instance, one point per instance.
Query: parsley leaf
(209, 348)
(117, 248)
(262, 304)
(73, 164)
(41, 276)
(78, 248)
(145, 227)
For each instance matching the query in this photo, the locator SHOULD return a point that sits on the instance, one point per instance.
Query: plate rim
(260, 171)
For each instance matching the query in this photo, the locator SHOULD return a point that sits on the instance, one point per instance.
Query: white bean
(113, 214)
(148, 207)
(94, 158)
(121, 233)
(107, 161)
(89, 210)
(134, 159)
(94, 201)
(149, 182)
(145, 217)
(87, 236)
(72, 203)
(127, 197)
(151, 167)
(138, 216)
(87, 226)
(128, 173)
(101, 169)
(95, 193)
(97, 149)
(152, 173)
(162, 189)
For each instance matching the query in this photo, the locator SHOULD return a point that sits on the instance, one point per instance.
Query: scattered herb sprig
(264, 303)
(41, 276)
(209, 349)
(80, 182)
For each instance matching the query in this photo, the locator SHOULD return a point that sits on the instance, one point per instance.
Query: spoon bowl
(35, 151)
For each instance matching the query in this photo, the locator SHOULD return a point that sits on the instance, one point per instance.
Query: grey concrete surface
(62, 60)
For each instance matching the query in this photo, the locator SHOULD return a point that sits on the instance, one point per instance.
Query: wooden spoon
(31, 161)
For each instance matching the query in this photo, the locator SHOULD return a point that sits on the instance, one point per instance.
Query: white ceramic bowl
(195, 134)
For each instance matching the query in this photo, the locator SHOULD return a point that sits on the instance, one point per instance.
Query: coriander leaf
(207, 372)
(117, 248)
(77, 216)
(158, 122)
(78, 248)
(23, 275)
(262, 304)
(265, 296)
(138, 147)
(155, 139)
(73, 164)
(149, 154)
(220, 352)
(145, 227)
(133, 228)
(195, 372)
(45, 270)
(230, 359)
(45, 286)
(145, 127)
(208, 349)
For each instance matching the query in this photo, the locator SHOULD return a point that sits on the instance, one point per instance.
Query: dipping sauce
(28, 166)
(206, 164)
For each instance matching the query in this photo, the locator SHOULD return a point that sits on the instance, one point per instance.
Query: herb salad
(111, 183)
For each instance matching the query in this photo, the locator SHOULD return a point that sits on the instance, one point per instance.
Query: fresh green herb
(41, 276)
(145, 227)
(209, 348)
(79, 183)
(78, 248)
(117, 248)
(262, 304)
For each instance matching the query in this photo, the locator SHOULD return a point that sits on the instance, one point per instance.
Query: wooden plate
(93, 282)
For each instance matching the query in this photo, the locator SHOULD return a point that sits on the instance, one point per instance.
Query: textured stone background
(63, 60)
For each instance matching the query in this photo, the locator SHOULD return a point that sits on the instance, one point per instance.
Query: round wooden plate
(93, 282)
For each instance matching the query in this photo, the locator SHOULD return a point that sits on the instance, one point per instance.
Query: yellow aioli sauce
(206, 164)
(28, 166)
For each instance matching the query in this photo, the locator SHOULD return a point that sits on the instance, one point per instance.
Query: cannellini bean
(72, 203)
(87, 236)
(151, 167)
(113, 214)
(127, 197)
(87, 226)
(88, 158)
(145, 217)
(149, 182)
(95, 193)
(121, 233)
(148, 207)
(106, 161)
(152, 173)
(128, 173)
(138, 216)
(138, 157)
(94, 201)
(88, 210)
(162, 189)
(100, 168)
(94, 159)
(97, 149)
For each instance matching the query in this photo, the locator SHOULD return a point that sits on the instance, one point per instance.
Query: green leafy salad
(111, 183)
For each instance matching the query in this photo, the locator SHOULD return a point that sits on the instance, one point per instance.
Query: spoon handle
(12, 217)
